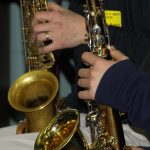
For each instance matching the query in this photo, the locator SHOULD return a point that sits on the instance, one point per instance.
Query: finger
(43, 37)
(89, 58)
(44, 27)
(33, 37)
(84, 72)
(42, 30)
(54, 7)
(117, 55)
(46, 49)
(49, 48)
(42, 17)
(84, 95)
(83, 82)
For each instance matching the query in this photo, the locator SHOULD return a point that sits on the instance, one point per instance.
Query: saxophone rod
(91, 123)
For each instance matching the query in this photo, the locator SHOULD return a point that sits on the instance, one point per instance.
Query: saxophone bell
(62, 133)
(34, 92)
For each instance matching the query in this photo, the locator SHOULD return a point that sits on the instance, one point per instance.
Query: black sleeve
(127, 90)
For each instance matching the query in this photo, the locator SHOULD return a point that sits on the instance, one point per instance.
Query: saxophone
(35, 91)
(104, 122)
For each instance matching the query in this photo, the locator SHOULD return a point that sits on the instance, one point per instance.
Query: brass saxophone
(104, 122)
(35, 91)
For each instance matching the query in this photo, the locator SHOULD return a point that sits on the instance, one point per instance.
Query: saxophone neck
(34, 60)
(98, 34)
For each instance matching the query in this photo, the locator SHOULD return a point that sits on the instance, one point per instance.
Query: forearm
(126, 90)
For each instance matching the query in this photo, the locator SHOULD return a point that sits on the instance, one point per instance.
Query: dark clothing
(133, 38)
(125, 89)
(146, 148)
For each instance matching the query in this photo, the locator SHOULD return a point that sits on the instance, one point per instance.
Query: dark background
(5, 110)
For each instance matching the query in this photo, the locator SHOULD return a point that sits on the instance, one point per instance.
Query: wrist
(83, 32)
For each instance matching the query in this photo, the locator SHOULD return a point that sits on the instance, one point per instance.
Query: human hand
(91, 77)
(65, 28)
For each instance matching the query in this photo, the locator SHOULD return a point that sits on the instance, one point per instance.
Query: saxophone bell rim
(27, 78)
(40, 144)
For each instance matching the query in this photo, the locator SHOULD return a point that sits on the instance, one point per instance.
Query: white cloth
(133, 138)
(10, 141)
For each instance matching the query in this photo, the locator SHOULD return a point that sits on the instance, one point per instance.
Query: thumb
(117, 55)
